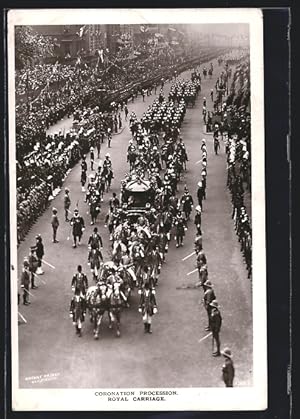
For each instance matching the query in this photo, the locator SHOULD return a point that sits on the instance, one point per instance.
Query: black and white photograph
(137, 209)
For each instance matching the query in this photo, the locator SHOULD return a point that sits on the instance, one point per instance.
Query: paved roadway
(172, 356)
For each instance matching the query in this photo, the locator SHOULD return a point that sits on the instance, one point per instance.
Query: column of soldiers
(241, 219)
(210, 303)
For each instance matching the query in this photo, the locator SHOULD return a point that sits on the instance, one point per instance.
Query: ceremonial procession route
(179, 352)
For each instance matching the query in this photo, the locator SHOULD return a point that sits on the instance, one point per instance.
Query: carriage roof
(138, 186)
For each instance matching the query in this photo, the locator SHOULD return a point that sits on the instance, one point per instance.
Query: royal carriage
(136, 194)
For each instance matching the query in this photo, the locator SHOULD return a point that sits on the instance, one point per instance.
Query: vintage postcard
(137, 209)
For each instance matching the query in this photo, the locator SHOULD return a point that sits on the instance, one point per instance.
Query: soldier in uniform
(200, 193)
(114, 202)
(33, 265)
(25, 281)
(147, 306)
(83, 173)
(95, 240)
(55, 224)
(198, 243)
(187, 203)
(197, 220)
(95, 259)
(209, 297)
(228, 368)
(67, 203)
(215, 323)
(79, 282)
(39, 253)
(77, 223)
(92, 158)
(180, 225)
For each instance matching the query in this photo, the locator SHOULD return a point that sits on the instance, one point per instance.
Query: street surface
(174, 355)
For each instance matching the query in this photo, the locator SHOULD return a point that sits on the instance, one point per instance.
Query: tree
(30, 47)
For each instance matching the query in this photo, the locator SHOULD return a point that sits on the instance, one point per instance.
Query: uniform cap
(198, 208)
(54, 210)
(107, 155)
(227, 353)
(214, 303)
(76, 210)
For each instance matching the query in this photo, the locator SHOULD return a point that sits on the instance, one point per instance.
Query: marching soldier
(215, 323)
(92, 158)
(209, 297)
(33, 265)
(187, 203)
(228, 368)
(67, 203)
(147, 306)
(197, 220)
(95, 240)
(200, 193)
(77, 223)
(39, 253)
(83, 173)
(79, 282)
(55, 224)
(78, 311)
(25, 281)
(180, 225)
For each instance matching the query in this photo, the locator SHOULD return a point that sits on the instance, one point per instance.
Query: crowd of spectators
(94, 97)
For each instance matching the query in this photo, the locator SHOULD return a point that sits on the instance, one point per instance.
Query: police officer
(228, 368)
(79, 282)
(215, 323)
(77, 223)
(67, 203)
(25, 281)
(39, 253)
(55, 224)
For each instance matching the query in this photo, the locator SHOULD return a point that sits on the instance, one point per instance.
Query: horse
(97, 298)
(77, 312)
(137, 254)
(119, 249)
(116, 300)
(129, 280)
